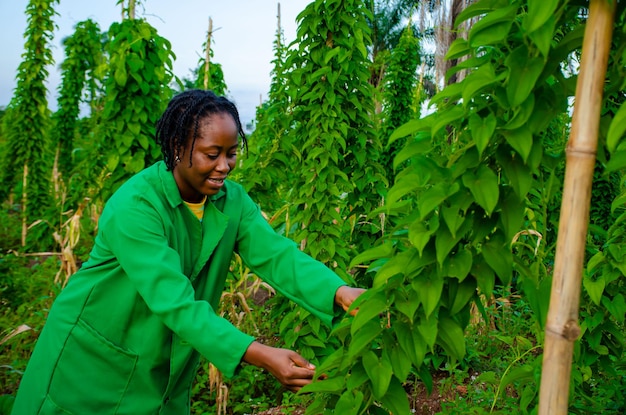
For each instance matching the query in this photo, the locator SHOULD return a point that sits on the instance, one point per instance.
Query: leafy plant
(137, 91)
(27, 167)
(457, 205)
(83, 50)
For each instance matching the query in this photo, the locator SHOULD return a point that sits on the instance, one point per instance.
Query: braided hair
(182, 117)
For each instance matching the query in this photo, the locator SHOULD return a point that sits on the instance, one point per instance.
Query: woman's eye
(212, 156)
(232, 155)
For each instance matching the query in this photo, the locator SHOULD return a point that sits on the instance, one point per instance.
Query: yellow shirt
(197, 208)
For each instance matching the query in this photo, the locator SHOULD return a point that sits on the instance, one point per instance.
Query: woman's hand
(291, 369)
(346, 295)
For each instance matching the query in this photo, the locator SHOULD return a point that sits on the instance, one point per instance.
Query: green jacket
(125, 335)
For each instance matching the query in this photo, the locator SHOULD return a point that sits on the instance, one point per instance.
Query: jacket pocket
(92, 374)
(49, 407)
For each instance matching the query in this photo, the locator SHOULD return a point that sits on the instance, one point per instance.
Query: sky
(243, 39)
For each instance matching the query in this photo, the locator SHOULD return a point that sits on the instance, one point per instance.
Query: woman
(125, 335)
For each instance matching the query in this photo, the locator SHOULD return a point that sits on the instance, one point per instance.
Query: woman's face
(214, 156)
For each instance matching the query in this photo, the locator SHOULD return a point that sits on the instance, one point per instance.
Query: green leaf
(429, 289)
(364, 337)
(458, 48)
(447, 118)
(420, 145)
(379, 371)
(396, 399)
(384, 250)
(511, 215)
(482, 130)
(597, 260)
(420, 232)
(524, 71)
(331, 53)
(411, 127)
(453, 218)
(331, 362)
(458, 265)
(464, 292)
(120, 75)
(594, 288)
(617, 161)
(484, 187)
(137, 163)
(478, 8)
(144, 142)
(528, 395)
(451, 93)
(331, 385)
(521, 114)
(477, 80)
(521, 139)
(400, 362)
(538, 295)
(572, 41)
(435, 196)
(616, 129)
(428, 328)
(499, 258)
(404, 185)
(543, 36)
(617, 307)
(396, 265)
(407, 302)
(113, 161)
(357, 377)
(451, 338)
(444, 243)
(539, 12)
(518, 174)
(523, 374)
(369, 310)
(349, 402)
(411, 342)
(493, 28)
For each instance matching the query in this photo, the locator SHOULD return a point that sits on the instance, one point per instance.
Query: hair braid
(182, 117)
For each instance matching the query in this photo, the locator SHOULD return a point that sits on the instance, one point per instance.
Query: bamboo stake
(24, 204)
(562, 328)
(208, 55)
(278, 18)
(131, 10)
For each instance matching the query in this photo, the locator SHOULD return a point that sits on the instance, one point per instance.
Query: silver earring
(177, 160)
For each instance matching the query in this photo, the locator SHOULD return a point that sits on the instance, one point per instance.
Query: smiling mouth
(216, 181)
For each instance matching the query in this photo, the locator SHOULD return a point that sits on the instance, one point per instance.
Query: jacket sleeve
(278, 261)
(137, 238)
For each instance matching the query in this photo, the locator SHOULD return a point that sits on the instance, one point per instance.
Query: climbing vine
(459, 206)
(137, 90)
(27, 166)
(83, 55)
(266, 170)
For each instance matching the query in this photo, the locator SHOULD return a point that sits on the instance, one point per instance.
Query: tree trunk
(562, 328)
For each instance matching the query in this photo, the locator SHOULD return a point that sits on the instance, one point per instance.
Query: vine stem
(495, 398)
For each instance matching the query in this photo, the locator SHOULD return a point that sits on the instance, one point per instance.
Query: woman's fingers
(298, 378)
(345, 296)
(300, 361)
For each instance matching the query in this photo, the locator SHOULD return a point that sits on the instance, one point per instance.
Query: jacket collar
(170, 188)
